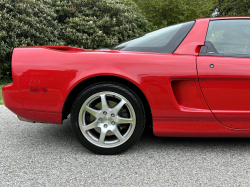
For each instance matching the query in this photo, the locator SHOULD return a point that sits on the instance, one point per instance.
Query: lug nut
(105, 125)
(100, 119)
(113, 115)
(105, 113)
(112, 122)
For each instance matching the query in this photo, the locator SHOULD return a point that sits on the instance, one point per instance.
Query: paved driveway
(49, 155)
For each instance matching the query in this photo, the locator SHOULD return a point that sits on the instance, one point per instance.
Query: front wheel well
(86, 83)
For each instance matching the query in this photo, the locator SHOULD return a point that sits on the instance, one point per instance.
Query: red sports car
(187, 80)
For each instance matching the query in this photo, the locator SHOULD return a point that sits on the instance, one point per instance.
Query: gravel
(35, 154)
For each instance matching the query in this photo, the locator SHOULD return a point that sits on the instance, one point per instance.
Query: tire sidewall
(125, 92)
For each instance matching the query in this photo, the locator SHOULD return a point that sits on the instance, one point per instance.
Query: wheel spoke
(103, 126)
(118, 107)
(118, 134)
(124, 120)
(90, 126)
(92, 111)
(102, 136)
(104, 102)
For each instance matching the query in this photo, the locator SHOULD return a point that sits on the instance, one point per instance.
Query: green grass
(3, 82)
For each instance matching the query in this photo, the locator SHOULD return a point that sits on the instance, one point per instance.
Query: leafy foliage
(233, 8)
(81, 23)
(99, 23)
(25, 23)
(168, 12)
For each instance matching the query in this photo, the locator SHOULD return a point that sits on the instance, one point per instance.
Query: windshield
(159, 41)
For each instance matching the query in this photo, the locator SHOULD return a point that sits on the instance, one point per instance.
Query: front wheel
(108, 118)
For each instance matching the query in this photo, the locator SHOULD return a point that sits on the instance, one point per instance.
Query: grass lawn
(2, 83)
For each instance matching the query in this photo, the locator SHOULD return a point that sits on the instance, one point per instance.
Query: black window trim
(208, 48)
(178, 38)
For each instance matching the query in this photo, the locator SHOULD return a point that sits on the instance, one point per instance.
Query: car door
(224, 71)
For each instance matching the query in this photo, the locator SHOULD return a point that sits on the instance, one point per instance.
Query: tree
(25, 23)
(99, 23)
(81, 23)
(168, 12)
(233, 8)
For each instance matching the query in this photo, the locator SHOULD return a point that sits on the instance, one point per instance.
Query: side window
(165, 40)
(228, 38)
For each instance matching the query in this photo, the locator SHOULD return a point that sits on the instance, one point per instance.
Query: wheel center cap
(107, 119)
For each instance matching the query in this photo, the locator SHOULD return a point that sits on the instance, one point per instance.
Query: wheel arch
(106, 78)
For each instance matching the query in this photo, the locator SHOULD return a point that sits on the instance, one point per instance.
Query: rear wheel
(108, 118)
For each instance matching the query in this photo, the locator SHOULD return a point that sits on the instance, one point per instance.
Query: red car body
(186, 97)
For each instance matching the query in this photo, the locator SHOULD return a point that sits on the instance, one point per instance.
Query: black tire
(134, 101)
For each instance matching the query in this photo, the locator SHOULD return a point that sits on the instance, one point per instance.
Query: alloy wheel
(107, 119)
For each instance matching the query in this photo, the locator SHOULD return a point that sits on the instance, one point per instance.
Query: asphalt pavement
(35, 154)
